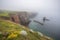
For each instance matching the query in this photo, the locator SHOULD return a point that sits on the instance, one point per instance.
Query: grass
(10, 30)
(13, 28)
(4, 14)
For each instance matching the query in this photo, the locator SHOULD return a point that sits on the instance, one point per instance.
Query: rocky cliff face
(20, 17)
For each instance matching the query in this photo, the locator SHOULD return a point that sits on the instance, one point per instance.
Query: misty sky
(48, 8)
(30, 5)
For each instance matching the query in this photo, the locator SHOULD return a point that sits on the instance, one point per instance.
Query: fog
(45, 8)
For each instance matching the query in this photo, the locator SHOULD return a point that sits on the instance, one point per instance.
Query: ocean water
(45, 29)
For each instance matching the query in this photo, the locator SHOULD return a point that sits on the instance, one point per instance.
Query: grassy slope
(10, 27)
(4, 14)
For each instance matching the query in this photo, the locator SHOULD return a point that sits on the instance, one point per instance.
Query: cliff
(13, 31)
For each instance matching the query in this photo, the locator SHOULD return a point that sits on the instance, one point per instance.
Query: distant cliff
(22, 18)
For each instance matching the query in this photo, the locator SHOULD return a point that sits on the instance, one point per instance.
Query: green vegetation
(12, 31)
(4, 14)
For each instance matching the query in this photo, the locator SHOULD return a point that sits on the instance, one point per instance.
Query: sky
(29, 5)
(45, 8)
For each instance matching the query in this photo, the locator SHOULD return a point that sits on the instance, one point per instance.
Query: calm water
(45, 29)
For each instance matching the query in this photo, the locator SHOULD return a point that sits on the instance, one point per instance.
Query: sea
(45, 29)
